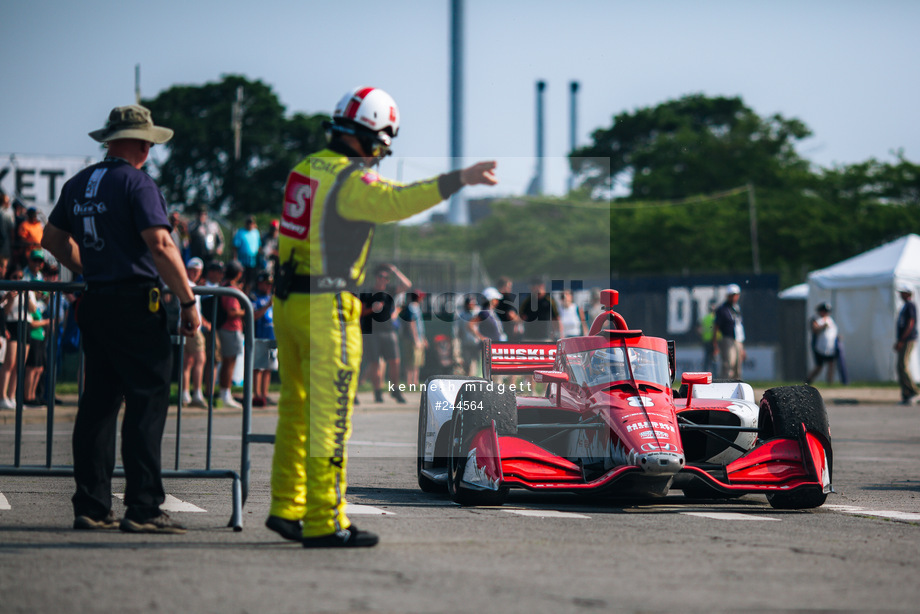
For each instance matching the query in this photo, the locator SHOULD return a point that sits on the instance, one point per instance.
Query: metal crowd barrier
(240, 485)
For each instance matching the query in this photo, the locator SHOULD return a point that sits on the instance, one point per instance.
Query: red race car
(611, 423)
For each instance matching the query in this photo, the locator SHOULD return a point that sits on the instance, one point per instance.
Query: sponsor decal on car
(654, 435)
(658, 447)
(522, 353)
(635, 426)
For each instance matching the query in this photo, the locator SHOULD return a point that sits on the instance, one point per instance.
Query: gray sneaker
(158, 524)
(85, 523)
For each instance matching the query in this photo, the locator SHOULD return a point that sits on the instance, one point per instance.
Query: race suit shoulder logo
(370, 177)
(298, 205)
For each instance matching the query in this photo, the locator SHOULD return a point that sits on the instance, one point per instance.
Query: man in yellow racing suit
(332, 202)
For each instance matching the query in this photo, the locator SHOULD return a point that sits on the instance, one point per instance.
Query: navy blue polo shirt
(105, 207)
(908, 313)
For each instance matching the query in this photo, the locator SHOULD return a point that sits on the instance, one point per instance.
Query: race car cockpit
(615, 364)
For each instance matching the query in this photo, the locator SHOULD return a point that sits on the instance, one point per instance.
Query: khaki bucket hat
(131, 122)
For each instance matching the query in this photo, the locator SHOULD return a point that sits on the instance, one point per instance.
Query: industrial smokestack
(536, 184)
(573, 126)
(457, 212)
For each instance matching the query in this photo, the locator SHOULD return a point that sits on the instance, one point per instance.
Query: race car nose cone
(660, 463)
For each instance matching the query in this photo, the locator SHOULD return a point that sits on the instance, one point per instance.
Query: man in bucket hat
(110, 224)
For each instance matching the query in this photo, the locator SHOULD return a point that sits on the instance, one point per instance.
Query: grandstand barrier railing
(55, 292)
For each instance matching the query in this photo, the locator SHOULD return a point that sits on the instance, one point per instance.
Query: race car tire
(782, 411)
(424, 483)
(502, 408)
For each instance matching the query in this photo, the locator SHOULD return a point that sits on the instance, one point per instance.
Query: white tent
(861, 291)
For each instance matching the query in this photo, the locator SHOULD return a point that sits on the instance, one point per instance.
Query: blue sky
(847, 69)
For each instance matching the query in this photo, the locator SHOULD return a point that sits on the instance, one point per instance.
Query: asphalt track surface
(860, 552)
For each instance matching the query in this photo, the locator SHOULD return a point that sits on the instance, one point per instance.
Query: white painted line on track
(173, 504)
(4, 504)
(546, 514)
(860, 511)
(728, 516)
(354, 509)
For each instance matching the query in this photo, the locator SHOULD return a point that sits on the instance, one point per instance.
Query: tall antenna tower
(457, 213)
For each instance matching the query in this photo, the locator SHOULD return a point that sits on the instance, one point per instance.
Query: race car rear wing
(516, 358)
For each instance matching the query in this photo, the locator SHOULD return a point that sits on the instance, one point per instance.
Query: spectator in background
(17, 309)
(707, 334)
(412, 339)
(58, 306)
(5, 297)
(470, 347)
(247, 244)
(36, 265)
(378, 325)
(214, 274)
(507, 312)
(19, 216)
(179, 233)
(487, 325)
(194, 361)
(30, 231)
(594, 308)
(205, 239)
(540, 314)
(270, 248)
(729, 343)
(264, 354)
(906, 340)
(7, 226)
(571, 317)
(823, 342)
(35, 272)
(230, 332)
(35, 358)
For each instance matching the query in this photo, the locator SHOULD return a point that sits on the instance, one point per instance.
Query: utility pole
(457, 208)
(236, 123)
(137, 83)
(752, 211)
(573, 127)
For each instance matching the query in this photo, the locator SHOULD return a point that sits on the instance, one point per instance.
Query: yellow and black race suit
(331, 205)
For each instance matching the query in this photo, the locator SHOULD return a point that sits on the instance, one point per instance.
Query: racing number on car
(640, 402)
(298, 204)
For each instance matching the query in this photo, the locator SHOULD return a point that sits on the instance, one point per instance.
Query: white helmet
(370, 114)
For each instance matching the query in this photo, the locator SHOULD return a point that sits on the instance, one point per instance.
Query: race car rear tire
(782, 411)
(502, 408)
(424, 483)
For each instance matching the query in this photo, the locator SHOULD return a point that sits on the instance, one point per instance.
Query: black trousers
(128, 356)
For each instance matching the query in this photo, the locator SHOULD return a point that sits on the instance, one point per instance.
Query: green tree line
(662, 190)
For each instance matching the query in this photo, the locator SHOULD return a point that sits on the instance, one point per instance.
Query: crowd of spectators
(25, 317)
(248, 264)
